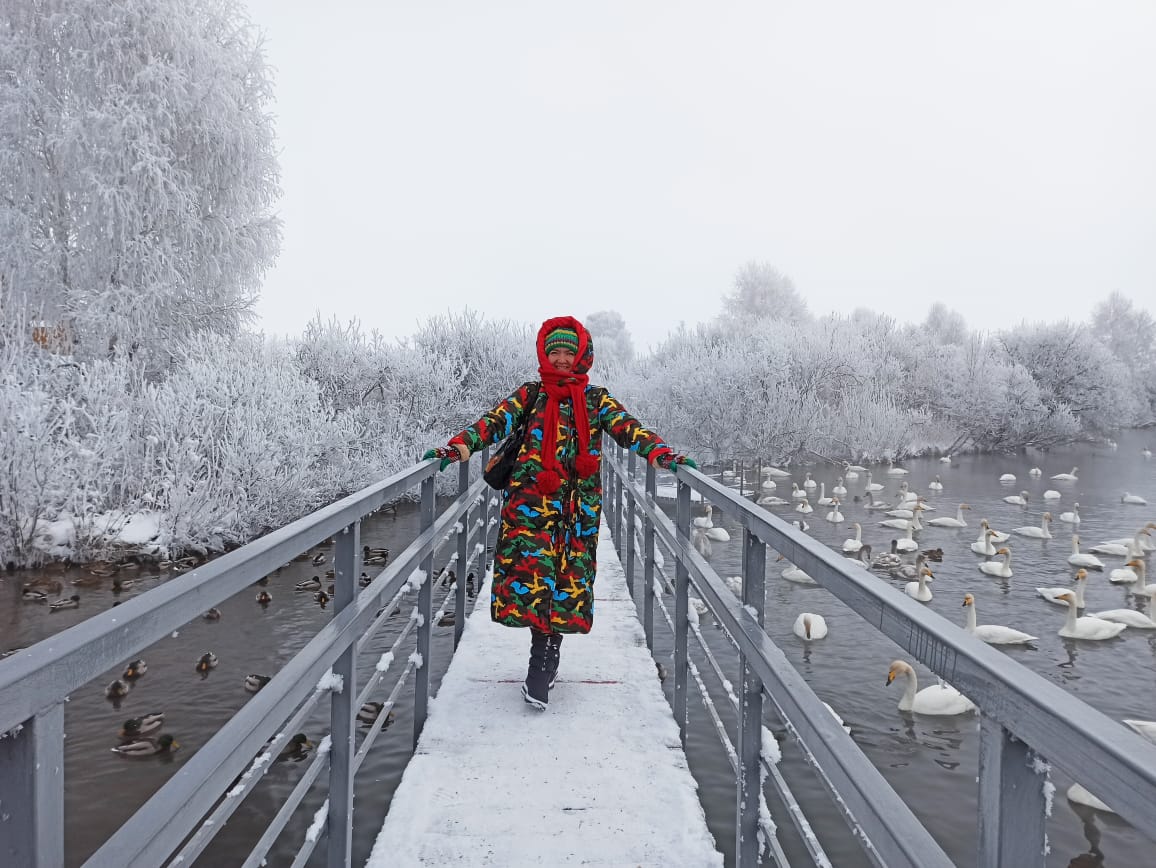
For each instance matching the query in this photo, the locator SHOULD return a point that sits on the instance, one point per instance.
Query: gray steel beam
(1012, 801)
(342, 705)
(681, 606)
(749, 789)
(32, 791)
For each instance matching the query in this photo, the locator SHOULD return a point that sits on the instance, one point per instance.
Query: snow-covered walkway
(598, 779)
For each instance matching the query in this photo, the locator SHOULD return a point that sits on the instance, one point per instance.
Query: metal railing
(1026, 721)
(181, 818)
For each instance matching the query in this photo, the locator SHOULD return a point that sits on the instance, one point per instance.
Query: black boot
(536, 689)
(554, 656)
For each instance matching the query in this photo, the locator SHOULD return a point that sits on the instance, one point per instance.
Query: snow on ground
(597, 779)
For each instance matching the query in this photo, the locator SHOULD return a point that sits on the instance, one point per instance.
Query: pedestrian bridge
(601, 777)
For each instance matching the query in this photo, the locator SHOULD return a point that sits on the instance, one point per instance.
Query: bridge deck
(598, 779)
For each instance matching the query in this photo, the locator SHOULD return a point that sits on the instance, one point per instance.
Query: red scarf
(559, 386)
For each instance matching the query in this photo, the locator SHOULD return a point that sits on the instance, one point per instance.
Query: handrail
(35, 682)
(1023, 714)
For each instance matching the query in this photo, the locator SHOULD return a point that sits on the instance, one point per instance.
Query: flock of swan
(906, 516)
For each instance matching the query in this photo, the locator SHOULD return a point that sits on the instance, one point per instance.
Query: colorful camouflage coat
(545, 557)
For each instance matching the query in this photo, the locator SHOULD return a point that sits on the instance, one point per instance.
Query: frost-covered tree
(761, 291)
(138, 169)
(613, 345)
(1131, 335)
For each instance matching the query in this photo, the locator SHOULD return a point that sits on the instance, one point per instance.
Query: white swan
(872, 486)
(796, 492)
(993, 634)
(808, 482)
(776, 472)
(804, 507)
(1008, 477)
(1136, 620)
(1131, 572)
(700, 541)
(985, 547)
(771, 500)
(939, 699)
(1072, 517)
(862, 557)
(1134, 499)
(918, 589)
(999, 569)
(834, 515)
(810, 626)
(823, 499)
(1035, 473)
(944, 459)
(704, 520)
(1052, 494)
(892, 470)
(1083, 559)
(874, 504)
(769, 485)
(735, 583)
(903, 523)
(1020, 499)
(911, 571)
(1034, 532)
(1067, 477)
(853, 545)
(718, 534)
(935, 484)
(1145, 545)
(796, 575)
(1080, 794)
(1052, 595)
(946, 521)
(1133, 548)
(1146, 728)
(996, 535)
(907, 543)
(840, 490)
(1085, 627)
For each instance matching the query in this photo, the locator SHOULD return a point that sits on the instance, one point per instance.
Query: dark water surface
(932, 762)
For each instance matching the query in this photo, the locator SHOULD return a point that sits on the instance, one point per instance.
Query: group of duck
(43, 589)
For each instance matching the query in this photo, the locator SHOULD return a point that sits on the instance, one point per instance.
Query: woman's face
(562, 359)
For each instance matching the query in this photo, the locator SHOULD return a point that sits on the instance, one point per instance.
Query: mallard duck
(117, 689)
(371, 711)
(31, 595)
(318, 559)
(254, 683)
(322, 598)
(72, 602)
(364, 580)
(214, 614)
(313, 584)
(933, 554)
(135, 670)
(368, 552)
(208, 661)
(447, 620)
(119, 584)
(264, 598)
(148, 746)
(135, 727)
(297, 748)
(88, 582)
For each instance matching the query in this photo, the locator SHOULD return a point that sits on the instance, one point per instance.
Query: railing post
(631, 456)
(681, 591)
(749, 782)
(425, 610)
(32, 792)
(648, 561)
(463, 565)
(1012, 802)
(484, 515)
(343, 715)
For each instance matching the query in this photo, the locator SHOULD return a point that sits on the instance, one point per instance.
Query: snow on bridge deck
(598, 779)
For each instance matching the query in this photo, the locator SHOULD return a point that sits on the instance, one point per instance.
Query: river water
(931, 762)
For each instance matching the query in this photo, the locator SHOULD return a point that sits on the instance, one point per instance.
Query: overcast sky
(535, 159)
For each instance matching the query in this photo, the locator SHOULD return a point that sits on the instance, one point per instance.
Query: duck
(318, 559)
(135, 670)
(840, 490)
(801, 524)
(1134, 499)
(1000, 569)
(321, 597)
(947, 521)
(1072, 516)
(1052, 494)
(918, 589)
(872, 486)
(264, 598)
(993, 634)
(296, 748)
(1085, 627)
(1035, 473)
(214, 614)
(254, 683)
(207, 661)
(823, 499)
(1041, 532)
(120, 585)
(804, 507)
(31, 595)
(909, 571)
(371, 711)
(72, 602)
(1132, 618)
(797, 493)
(935, 485)
(834, 515)
(853, 545)
(809, 626)
(940, 699)
(135, 727)
(364, 580)
(1008, 477)
(1052, 595)
(1020, 499)
(907, 543)
(1082, 559)
(117, 689)
(935, 554)
(888, 560)
(147, 746)
(1132, 571)
(313, 584)
(809, 483)
(1067, 477)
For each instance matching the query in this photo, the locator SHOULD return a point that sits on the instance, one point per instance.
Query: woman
(544, 560)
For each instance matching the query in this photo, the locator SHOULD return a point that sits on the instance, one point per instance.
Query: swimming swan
(1034, 532)
(994, 634)
(810, 626)
(918, 590)
(951, 522)
(1085, 627)
(999, 569)
(1137, 620)
(1067, 477)
(940, 699)
(1083, 559)
(1052, 595)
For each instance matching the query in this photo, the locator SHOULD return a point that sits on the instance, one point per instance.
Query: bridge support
(1012, 803)
(750, 779)
(32, 792)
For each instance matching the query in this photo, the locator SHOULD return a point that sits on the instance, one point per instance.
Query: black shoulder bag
(500, 467)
